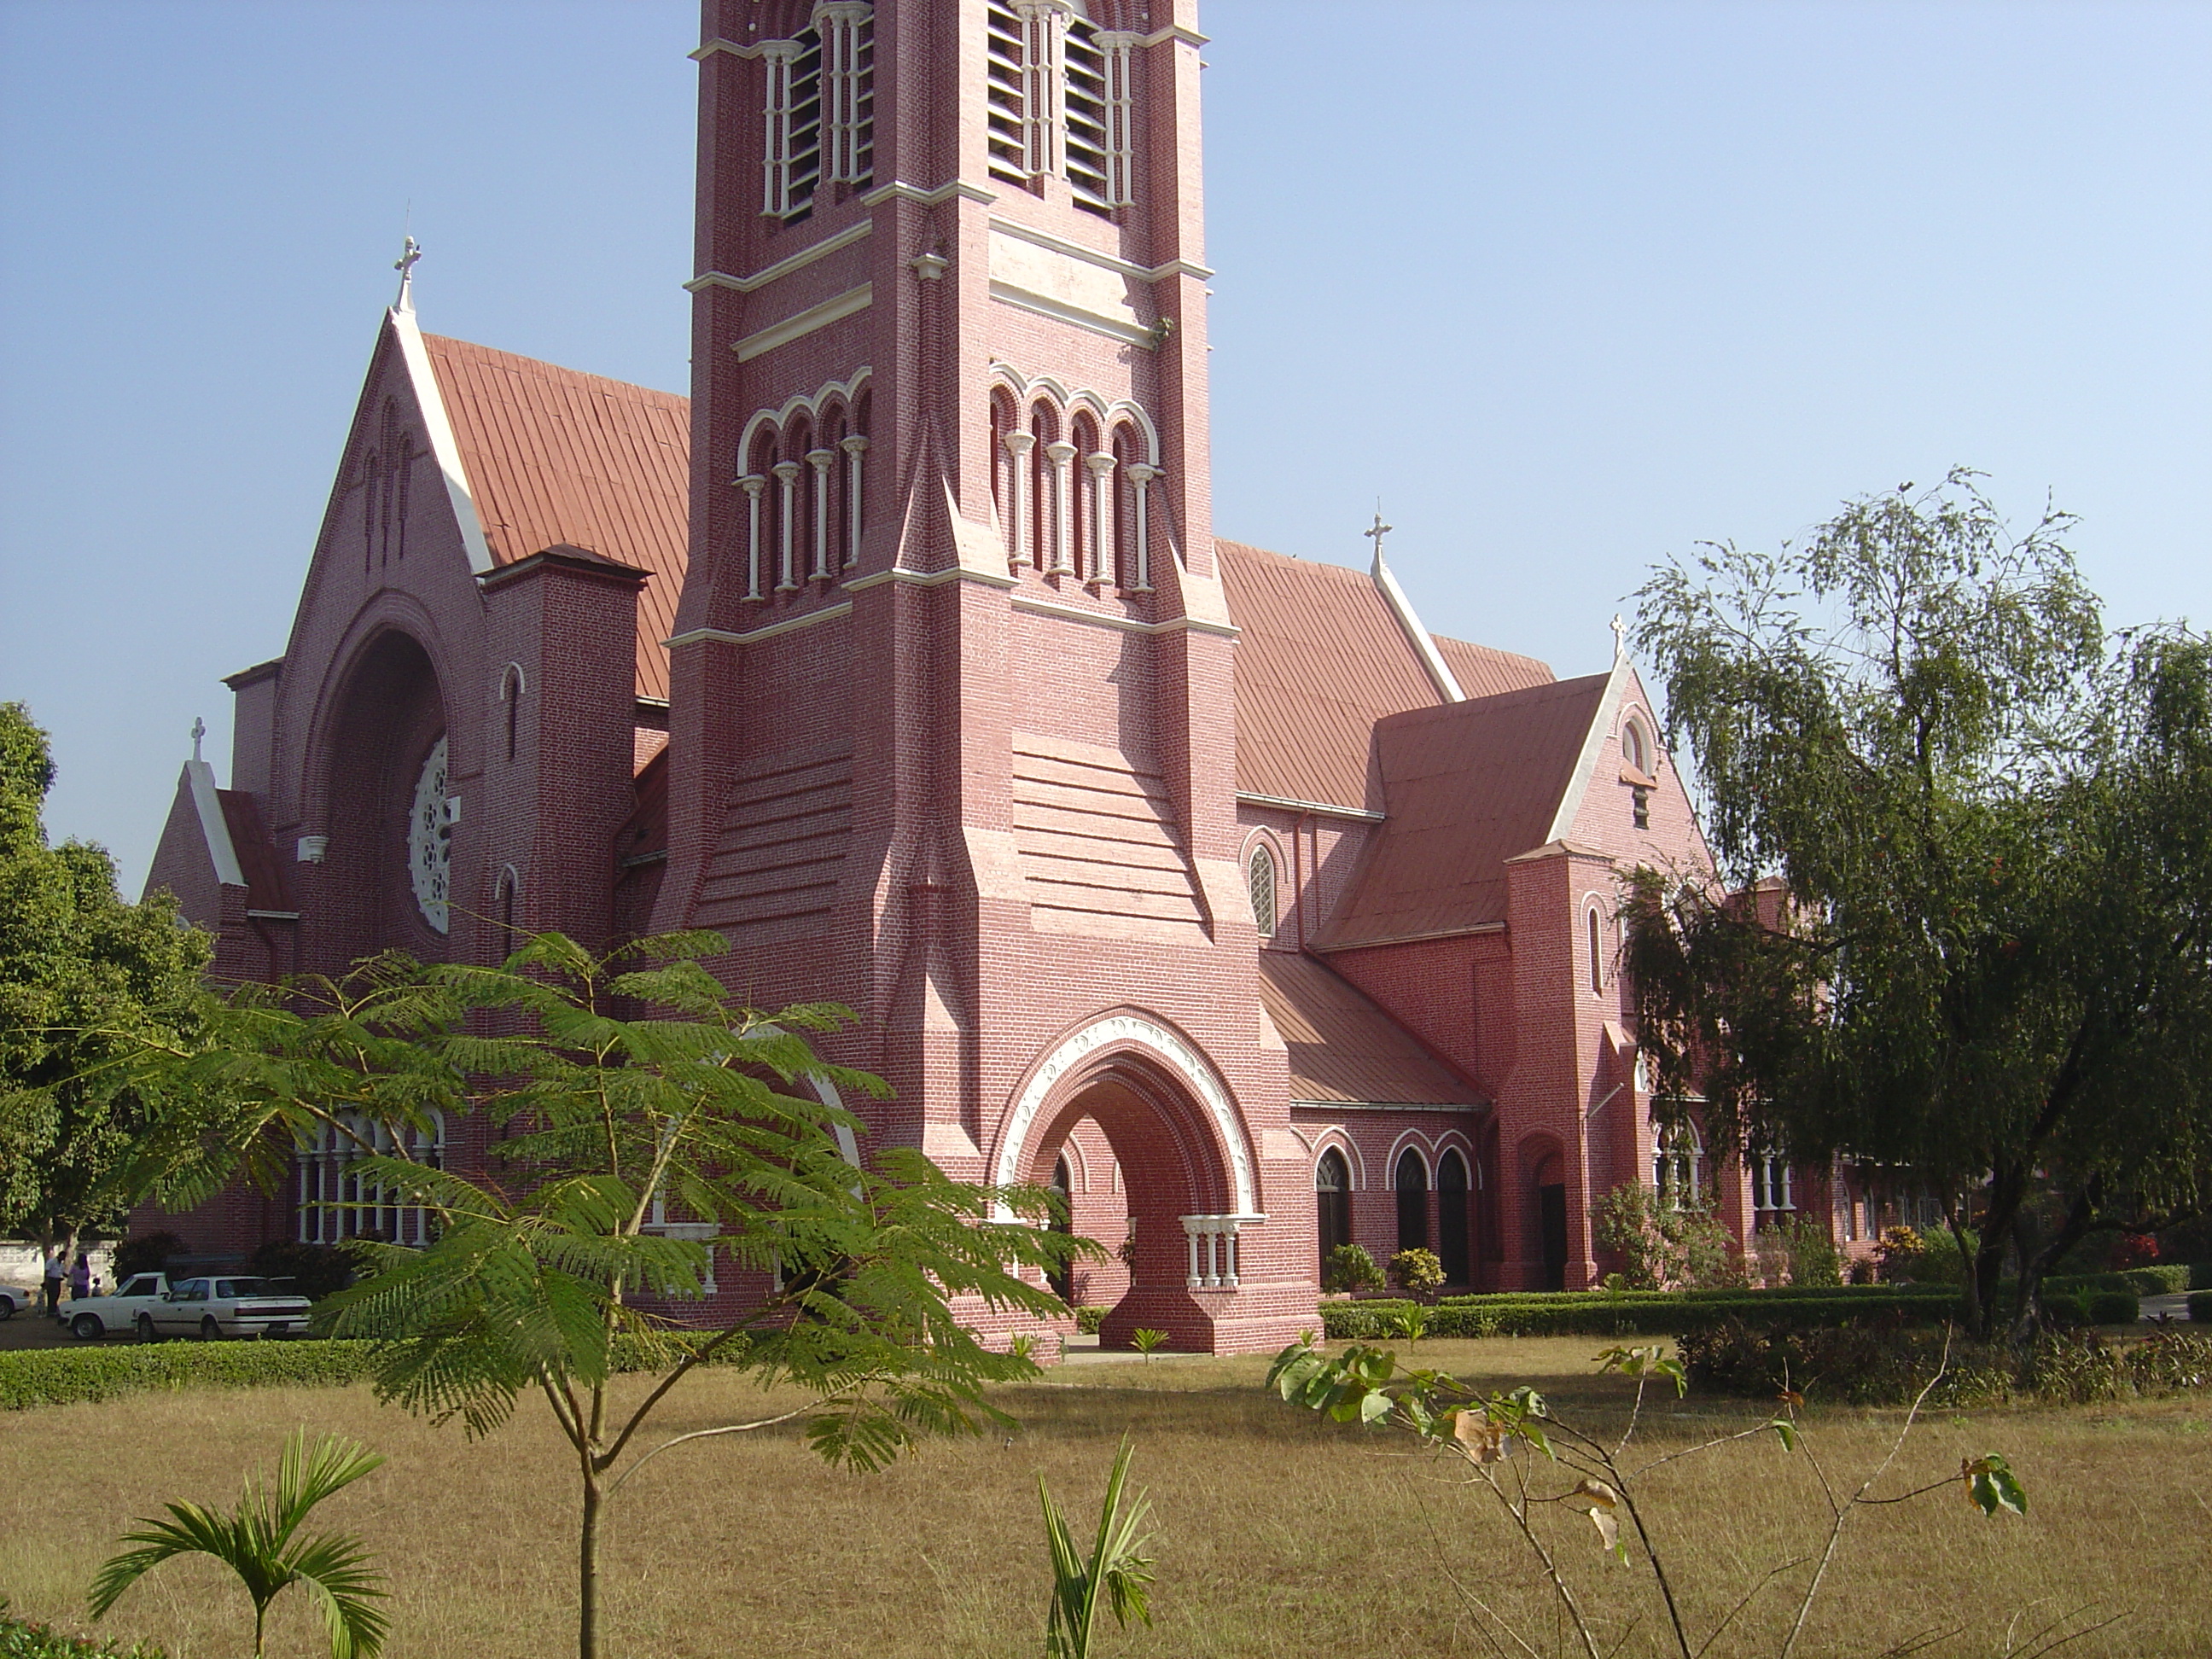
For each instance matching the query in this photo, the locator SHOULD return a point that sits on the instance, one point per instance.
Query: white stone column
(777, 58)
(1101, 466)
(838, 24)
(752, 483)
(1061, 454)
(855, 449)
(1140, 476)
(820, 460)
(1190, 1234)
(1121, 117)
(787, 474)
(1018, 444)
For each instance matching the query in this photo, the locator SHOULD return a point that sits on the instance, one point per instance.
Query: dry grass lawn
(1277, 1534)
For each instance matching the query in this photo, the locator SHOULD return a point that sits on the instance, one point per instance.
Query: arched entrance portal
(1183, 1168)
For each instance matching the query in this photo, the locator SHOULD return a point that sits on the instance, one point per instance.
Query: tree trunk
(588, 1568)
(2006, 1190)
(2027, 1300)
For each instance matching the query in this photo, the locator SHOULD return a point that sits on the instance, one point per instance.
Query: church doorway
(1552, 1220)
(1185, 1197)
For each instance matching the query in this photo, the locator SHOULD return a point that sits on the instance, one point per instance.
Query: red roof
(1466, 785)
(1342, 1046)
(1320, 659)
(553, 456)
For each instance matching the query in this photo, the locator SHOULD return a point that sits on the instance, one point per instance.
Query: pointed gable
(1320, 657)
(554, 456)
(1465, 787)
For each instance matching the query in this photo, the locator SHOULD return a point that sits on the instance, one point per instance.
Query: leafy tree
(640, 1117)
(1963, 926)
(259, 1544)
(83, 977)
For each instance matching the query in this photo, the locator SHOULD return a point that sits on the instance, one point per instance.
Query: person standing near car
(57, 1267)
(80, 1277)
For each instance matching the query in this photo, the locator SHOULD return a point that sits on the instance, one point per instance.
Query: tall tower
(952, 726)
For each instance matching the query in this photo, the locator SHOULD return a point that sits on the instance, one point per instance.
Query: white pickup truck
(210, 1306)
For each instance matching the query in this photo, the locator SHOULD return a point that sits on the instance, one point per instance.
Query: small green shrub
(2113, 1307)
(22, 1640)
(1419, 1273)
(1885, 1364)
(2200, 1307)
(1349, 1268)
(1088, 1320)
(146, 1253)
(1879, 1362)
(1814, 1261)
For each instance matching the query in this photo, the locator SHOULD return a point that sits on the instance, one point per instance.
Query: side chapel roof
(1345, 1048)
(551, 455)
(1467, 786)
(1320, 659)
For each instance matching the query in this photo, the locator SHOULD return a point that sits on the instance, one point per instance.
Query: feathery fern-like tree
(641, 1118)
(260, 1543)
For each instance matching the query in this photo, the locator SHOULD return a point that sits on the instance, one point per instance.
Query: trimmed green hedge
(1659, 1313)
(59, 1376)
(2164, 1279)
(2200, 1308)
(62, 1376)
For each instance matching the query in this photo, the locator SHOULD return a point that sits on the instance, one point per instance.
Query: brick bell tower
(952, 712)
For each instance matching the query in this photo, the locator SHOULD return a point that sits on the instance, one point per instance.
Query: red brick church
(1200, 879)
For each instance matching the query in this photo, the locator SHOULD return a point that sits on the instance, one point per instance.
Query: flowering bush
(20, 1640)
(2134, 1250)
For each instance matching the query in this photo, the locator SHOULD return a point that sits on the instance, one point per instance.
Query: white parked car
(13, 1301)
(209, 1306)
(118, 1310)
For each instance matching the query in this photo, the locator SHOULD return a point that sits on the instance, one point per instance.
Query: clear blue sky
(1570, 286)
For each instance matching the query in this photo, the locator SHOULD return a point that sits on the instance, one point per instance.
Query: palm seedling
(1117, 1573)
(259, 1544)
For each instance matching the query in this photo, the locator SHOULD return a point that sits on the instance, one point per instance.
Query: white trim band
(852, 300)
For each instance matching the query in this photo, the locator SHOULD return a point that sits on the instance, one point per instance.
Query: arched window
(1063, 1282)
(1451, 1217)
(1677, 1175)
(510, 693)
(1412, 1181)
(338, 1202)
(1260, 875)
(1597, 952)
(510, 934)
(1634, 750)
(1333, 1201)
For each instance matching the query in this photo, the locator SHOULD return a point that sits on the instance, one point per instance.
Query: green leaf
(1991, 1485)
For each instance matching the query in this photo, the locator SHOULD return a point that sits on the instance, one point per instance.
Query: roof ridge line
(1424, 643)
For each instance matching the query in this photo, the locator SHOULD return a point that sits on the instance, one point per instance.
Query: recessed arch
(1142, 1034)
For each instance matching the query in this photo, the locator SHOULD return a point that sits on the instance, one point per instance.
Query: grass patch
(1278, 1533)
